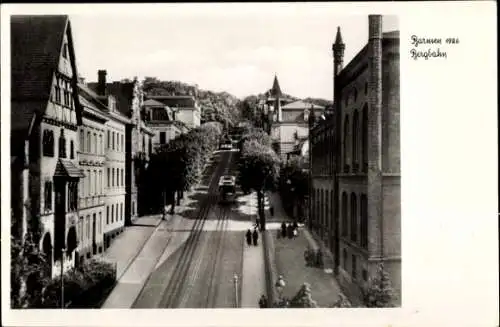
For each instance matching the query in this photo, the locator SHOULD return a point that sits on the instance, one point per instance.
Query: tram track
(171, 296)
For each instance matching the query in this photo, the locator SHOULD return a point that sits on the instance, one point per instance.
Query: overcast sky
(237, 50)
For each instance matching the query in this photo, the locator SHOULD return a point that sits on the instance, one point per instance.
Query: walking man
(249, 237)
(255, 237)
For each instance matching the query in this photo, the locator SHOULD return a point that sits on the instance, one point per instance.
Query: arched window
(94, 140)
(364, 221)
(344, 214)
(48, 143)
(354, 217)
(364, 138)
(355, 130)
(62, 145)
(346, 144)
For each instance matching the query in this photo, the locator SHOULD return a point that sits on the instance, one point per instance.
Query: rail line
(171, 295)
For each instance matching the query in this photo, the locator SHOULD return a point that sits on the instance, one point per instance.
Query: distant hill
(215, 106)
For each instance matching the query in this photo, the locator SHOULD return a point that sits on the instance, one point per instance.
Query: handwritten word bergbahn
(430, 53)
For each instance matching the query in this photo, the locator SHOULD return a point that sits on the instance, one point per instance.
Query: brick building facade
(359, 217)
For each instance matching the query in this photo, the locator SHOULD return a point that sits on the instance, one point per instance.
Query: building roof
(153, 102)
(391, 35)
(276, 90)
(123, 93)
(36, 43)
(181, 101)
(65, 168)
(301, 105)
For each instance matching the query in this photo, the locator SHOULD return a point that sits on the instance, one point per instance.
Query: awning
(65, 168)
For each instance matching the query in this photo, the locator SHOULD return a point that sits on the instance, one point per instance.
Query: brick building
(360, 216)
(45, 116)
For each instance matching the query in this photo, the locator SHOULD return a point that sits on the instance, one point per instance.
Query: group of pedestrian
(289, 230)
(252, 237)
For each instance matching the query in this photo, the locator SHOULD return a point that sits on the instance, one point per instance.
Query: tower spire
(338, 52)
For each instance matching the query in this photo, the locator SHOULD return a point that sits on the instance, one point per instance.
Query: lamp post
(62, 278)
(235, 279)
(280, 285)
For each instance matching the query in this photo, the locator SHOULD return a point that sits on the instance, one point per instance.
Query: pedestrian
(249, 237)
(263, 301)
(271, 211)
(290, 230)
(295, 225)
(283, 229)
(255, 237)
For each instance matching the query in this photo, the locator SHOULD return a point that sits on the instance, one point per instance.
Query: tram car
(227, 189)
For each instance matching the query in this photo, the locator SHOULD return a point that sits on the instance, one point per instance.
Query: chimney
(101, 83)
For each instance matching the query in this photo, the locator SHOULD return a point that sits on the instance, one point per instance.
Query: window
(65, 51)
(88, 226)
(344, 214)
(48, 143)
(364, 138)
(123, 142)
(100, 182)
(57, 92)
(95, 143)
(346, 142)
(116, 215)
(355, 130)
(355, 94)
(80, 227)
(113, 177)
(72, 196)
(101, 150)
(133, 208)
(72, 150)
(364, 222)
(89, 183)
(117, 177)
(123, 184)
(48, 195)
(354, 217)
(82, 140)
(108, 177)
(62, 145)
(353, 263)
(89, 141)
(150, 150)
(112, 212)
(365, 275)
(121, 211)
(109, 141)
(107, 215)
(100, 222)
(96, 189)
(113, 141)
(143, 143)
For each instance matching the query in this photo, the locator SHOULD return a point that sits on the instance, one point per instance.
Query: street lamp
(280, 285)
(235, 278)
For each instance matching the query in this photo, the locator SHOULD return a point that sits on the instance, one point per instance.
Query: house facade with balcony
(185, 108)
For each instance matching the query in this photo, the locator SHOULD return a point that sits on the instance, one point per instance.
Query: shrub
(83, 287)
(378, 293)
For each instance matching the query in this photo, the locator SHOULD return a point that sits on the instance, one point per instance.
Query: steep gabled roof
(152, 102)
(36, 43)
(276, 90)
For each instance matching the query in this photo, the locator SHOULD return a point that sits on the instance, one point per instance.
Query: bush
(342, 302)
(83, 287)
(378, 293)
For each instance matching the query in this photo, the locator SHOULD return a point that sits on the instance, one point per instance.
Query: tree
(378, 293)
(258, 171)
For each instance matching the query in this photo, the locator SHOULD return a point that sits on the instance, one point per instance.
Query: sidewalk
(128, 244)
(290, 262)
(253, 283)
(132, 280)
